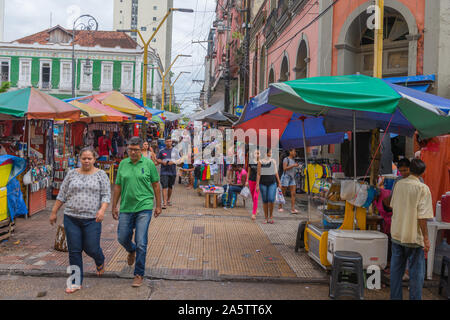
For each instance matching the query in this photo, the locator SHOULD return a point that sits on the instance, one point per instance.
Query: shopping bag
(245, 192)
(60, 240)
(279, 197)
(362, 191)
(348, 189)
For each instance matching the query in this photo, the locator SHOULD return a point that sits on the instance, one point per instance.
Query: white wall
(2, 19)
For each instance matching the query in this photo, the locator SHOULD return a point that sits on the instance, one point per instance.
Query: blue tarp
(16, 205)
(19, 165)
(420, 83)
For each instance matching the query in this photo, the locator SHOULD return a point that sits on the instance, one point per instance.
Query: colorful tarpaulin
(374, 102)
(34, 104)
(113, 114)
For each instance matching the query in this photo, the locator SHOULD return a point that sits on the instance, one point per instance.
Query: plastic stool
(444, 280)
(340, 283)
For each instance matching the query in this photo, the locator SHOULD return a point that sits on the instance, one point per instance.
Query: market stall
(27, 122)
(352, 103)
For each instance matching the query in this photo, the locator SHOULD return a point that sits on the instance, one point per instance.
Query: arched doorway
(262, 69)
(356, 42)
(284, 71)
(301, 66)
(271, 76)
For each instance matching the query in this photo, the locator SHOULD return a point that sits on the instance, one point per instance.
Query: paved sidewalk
(187, 242)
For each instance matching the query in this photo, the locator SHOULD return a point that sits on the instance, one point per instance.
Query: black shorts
(167, 181)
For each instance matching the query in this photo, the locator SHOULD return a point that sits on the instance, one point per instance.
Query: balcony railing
(270, 23)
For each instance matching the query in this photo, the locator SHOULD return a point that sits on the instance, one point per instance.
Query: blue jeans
(128, 221)
(415, 258)
(268, 193)
(83, 235)
(231, 190)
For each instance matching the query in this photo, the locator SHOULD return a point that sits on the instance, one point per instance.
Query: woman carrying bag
(86, 192)
(267, 180)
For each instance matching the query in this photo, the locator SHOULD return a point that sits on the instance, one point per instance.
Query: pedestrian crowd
(86, 194)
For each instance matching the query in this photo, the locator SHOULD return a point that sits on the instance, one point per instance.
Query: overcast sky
(25, 17)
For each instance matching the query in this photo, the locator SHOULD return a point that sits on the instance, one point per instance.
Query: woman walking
(267, 181)
(288, 179)
(147, 151)
(86, 192)
(251, 182)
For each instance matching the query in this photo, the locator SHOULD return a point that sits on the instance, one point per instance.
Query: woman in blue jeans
(86, 192)
(267, 180)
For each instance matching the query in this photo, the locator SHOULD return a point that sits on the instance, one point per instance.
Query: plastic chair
(347, 277)
(444, 280)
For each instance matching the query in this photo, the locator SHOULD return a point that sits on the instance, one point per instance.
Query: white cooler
(371, 245)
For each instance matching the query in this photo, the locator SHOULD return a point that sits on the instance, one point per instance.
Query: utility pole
(227, 68)
(377, 73)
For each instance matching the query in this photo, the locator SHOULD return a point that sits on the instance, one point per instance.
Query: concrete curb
(112, 275)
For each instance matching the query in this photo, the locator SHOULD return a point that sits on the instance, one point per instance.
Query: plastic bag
(245, 192)
(362, 191)
(279, 197)
(27, 178)
(348, 189)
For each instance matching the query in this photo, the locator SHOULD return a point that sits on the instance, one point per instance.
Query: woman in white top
(148, 152)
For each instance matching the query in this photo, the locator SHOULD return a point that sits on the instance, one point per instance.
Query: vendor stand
(29, 113)
(354, 103)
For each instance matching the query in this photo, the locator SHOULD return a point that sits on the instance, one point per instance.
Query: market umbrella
(34, 104)
(112, 114)
(98, 112)
(373, 102)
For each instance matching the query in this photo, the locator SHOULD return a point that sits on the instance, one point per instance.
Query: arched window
(271, 76)
(284, 72)
(301, 67)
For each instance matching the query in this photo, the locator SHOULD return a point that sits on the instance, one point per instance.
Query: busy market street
(207, 150)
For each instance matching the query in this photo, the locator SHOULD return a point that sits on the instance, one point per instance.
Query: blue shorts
(268, 193)
(287, 180)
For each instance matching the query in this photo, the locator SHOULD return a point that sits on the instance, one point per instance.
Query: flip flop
(271, 221)
(280, 209)
(169, 203)
(164, 206)
(100, 270)
(74, 289)
(253, 217)
(294, 211)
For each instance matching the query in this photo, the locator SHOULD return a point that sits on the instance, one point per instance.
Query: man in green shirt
(137, 184)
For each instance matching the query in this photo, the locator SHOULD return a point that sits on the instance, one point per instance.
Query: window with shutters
(24, 73)
(66, 75)
(127, 77)
(107, 76)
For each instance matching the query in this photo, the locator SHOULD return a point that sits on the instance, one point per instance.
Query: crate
(5, 229)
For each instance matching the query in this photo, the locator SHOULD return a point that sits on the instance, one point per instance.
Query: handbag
(279, 197)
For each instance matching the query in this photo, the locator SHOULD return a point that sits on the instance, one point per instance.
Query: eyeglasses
(133, 150)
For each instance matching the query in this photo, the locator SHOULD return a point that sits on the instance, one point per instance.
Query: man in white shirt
(411, 205)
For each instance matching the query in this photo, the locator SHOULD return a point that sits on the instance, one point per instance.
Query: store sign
(238, 110)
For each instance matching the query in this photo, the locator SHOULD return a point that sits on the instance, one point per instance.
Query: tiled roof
(106, 39)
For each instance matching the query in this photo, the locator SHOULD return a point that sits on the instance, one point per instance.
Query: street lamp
(84, 22)
(171, 89)
(166, 73)
(147, 44)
